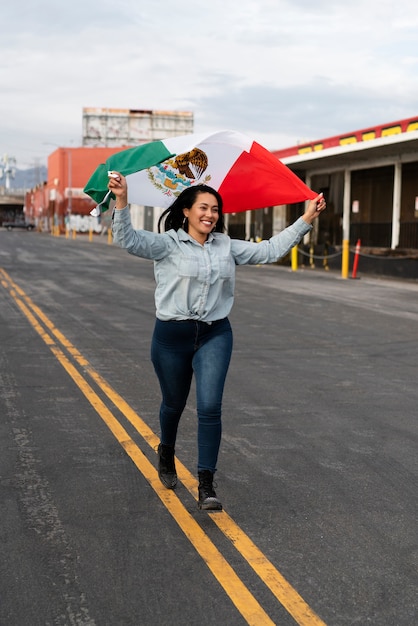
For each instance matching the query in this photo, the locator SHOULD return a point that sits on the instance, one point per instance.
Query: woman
(194, 266)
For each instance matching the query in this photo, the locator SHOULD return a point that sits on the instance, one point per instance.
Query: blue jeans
(179, 350)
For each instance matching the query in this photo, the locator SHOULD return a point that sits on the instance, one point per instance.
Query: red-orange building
(61, 196)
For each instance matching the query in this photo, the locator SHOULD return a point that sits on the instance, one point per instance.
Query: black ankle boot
(166, 466)
(207, 496)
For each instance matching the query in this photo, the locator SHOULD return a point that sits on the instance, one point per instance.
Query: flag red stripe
(270, 183)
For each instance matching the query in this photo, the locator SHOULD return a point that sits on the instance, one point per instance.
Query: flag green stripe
(139, 158)
(126, 162)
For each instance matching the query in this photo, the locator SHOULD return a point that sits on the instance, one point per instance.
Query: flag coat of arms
(245, 173)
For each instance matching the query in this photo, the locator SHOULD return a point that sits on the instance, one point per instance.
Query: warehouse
(370, 180)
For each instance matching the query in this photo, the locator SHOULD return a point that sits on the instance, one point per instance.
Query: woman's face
(202, 216)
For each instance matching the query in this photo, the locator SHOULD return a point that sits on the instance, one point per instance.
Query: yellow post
(74, 233)
(345, 259)
(91, 234)
(109, 235)
(311, 256)
(326, 252)
(294, 258)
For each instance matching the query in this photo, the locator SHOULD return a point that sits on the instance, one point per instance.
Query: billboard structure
(104, 127)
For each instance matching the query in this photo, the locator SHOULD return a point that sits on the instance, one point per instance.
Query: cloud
(286, 116)
(283, 70)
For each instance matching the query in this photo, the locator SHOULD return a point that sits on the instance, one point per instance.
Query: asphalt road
(318, 470)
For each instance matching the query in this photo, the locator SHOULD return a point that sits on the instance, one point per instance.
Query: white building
(103, 127)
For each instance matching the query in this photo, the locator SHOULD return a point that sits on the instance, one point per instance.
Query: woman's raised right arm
(141, 243)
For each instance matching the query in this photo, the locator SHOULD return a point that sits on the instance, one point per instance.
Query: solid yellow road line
(241, 597)
(278, 585)
(288, 597)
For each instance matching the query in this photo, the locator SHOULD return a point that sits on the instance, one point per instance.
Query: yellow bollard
(345, 259)
(294, 258)
(109, 236)
(90, 235)
(325, 261)
(311, 257)
(74, 233)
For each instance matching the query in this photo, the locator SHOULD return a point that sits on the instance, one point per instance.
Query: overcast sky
(281, 71)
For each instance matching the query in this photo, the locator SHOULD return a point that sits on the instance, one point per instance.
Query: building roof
(396, 141)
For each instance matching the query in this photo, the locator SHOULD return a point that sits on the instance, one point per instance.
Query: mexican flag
(245, 173)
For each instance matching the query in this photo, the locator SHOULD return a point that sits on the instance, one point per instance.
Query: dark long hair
(173, 217)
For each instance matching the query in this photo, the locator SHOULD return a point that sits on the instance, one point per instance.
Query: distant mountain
(27, 179)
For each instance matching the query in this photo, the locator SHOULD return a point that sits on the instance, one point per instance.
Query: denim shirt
(197, 281)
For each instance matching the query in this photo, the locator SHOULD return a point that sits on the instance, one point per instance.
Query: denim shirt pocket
(226, 267)
(188, 267)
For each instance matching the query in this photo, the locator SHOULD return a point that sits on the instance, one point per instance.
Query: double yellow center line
(251, 610)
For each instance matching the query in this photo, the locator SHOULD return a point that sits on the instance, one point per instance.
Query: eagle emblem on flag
(174, 175)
